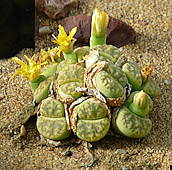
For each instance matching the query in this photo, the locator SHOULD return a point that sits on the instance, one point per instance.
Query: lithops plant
(133, 74)
(141, 79)
(43, 90)
(135, 94)
(131, 120)
(99, 53)
(108, 52)
(109, 79)
(151, 87)
(69, 78)
(141, 103)
(149, 84)
(52, 122)
(82, 52)
(90, 82)
(90, 119)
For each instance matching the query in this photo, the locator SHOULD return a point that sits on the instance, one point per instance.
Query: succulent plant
(142, 104)
(131, 119)
(151, 87)
(129, 124)
(52, 122)
(81, 52)
(108, 52)
(90, 119)
(34, 85)
(110, 80)
(99, 53)
(42, 91)
(49, 70)
(69, 78)
(97, 72)
(131, 97)
(133, 74)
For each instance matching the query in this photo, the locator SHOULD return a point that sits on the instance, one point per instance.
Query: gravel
(153, 23)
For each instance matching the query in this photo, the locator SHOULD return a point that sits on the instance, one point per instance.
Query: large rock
(55, 8)
(118, 34)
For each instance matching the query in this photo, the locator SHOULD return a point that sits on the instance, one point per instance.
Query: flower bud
(141, 99)
(141, 104)
(99, 23)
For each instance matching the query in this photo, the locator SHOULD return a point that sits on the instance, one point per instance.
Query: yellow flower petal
(48, 55)
(30, 71)
(18, 61)
(30, 61)
(62, 31)
(66, 42)
(73, 32)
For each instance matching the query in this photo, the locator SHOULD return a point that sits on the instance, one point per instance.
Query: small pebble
(168, 82)
(44, 30)
(68, 153)
(122, 151)
(124, 168)
(1, 96)
(22, 130)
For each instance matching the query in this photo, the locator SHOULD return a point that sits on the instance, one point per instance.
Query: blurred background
(17, 26)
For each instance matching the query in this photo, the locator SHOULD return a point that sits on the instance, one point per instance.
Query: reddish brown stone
(56, 8)
(118, 34)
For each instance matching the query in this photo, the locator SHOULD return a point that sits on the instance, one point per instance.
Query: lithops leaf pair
(108, 52)
(133, 74)
(69, 78)
(151, 87)
(90, 119)
(131, 120)
(110, 80)
(141, 79)
(81, 52)
(53, 120)
(41, 87)
(99, 53)
(42, 90)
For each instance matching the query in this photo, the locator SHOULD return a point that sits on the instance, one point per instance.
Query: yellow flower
(99, 23)
(66, 42)
(30, 71)
(51, 54)
(146, 71)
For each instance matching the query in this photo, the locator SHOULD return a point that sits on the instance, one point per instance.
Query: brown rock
(22, 130)
(56, 8)
(83, 24)
(118, 34)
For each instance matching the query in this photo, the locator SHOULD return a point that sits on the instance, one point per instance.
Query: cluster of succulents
(89, 89)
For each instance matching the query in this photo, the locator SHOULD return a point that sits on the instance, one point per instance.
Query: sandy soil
(152, 21)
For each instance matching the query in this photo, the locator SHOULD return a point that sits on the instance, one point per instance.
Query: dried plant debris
(90, 154)
(118, 33)
(56, 8)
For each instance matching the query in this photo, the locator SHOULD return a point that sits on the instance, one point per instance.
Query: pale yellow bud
(141, 99)
(99, 23)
